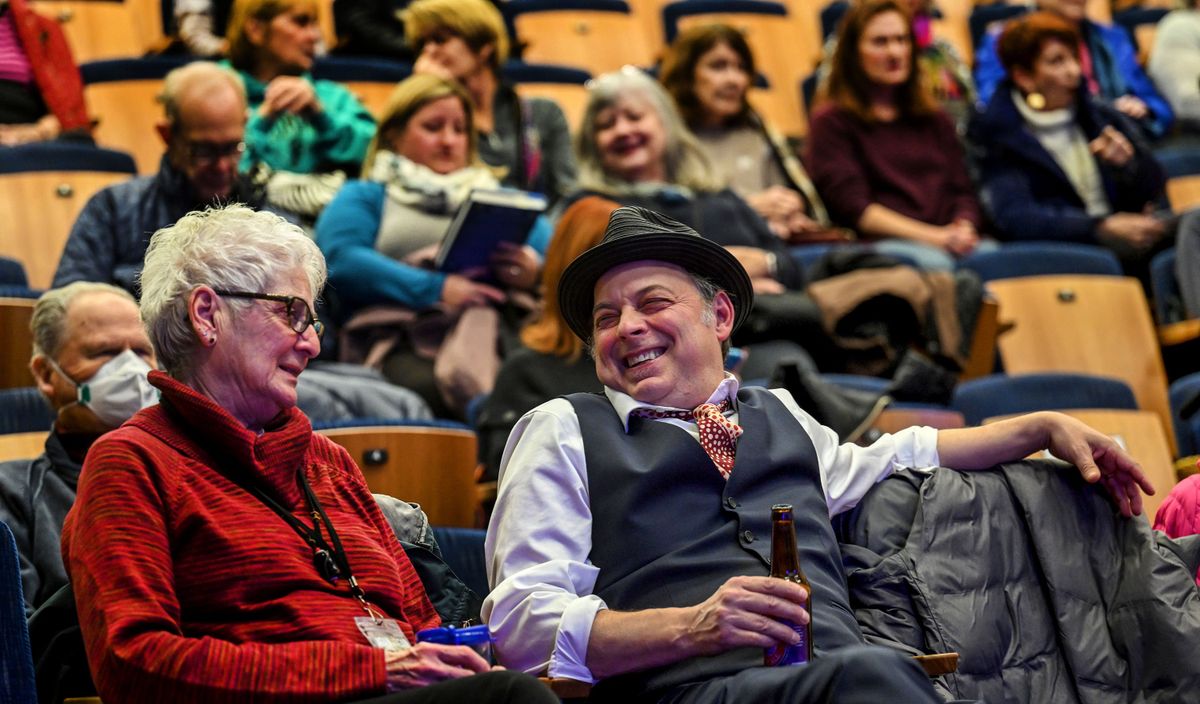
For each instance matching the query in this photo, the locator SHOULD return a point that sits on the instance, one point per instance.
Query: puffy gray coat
(1047, 593)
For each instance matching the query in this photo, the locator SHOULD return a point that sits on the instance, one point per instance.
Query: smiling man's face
(655, 338)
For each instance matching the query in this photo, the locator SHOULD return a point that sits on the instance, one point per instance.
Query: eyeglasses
(299, 315)
(204, 153)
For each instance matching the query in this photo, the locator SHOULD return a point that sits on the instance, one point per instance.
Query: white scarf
(411, 184)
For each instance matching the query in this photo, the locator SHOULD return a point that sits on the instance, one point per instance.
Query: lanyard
(331, 561)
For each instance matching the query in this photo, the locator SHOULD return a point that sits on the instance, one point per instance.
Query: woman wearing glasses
(219, 549)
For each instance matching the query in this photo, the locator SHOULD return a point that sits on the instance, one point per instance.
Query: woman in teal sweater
(296, 124)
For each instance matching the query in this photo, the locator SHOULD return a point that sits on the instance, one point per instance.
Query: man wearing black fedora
(630, 541)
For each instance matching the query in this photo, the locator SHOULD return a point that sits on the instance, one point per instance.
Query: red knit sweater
(191, 590)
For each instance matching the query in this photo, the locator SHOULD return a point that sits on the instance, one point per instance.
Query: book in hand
(487, 218)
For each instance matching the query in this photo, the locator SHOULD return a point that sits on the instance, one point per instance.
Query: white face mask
(117, 390)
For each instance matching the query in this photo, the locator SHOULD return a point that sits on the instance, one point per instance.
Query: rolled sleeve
(541, 607)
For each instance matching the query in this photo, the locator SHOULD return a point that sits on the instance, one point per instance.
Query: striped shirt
(14, 65)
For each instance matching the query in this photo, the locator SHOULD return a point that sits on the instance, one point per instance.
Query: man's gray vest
(667, 530)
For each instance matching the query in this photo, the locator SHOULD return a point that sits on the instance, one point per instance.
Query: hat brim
(697, 255)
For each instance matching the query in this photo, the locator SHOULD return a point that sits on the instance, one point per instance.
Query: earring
(1036, 100)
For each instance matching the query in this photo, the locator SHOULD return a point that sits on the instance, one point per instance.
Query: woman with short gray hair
(219, 549)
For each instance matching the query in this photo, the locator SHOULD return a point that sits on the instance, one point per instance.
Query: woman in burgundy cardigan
(219, 549)
(884, 156)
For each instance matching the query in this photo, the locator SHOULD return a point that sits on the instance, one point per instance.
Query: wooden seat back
(593, 40)
(16, 344)
(39, 208)
(1089, 324)
(434, 467)
(127, 113)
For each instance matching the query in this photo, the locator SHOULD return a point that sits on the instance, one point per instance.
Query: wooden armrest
(566, 688)
(938, 663)
(1178, 333)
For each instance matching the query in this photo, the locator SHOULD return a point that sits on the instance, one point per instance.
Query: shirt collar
(625, 405)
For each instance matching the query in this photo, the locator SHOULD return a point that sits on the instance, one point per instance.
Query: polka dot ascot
(718, 435)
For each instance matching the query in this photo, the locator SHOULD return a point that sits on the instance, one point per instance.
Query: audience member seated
(634, 148)
(1058, 164)
(552, 361)
(203, 128)
(90, 360)
(380, 234)
(195, 24)
(1175, 64)
(630, 540)
(466, 41)
(371, 28)
(1179, 514)
(1108, 62)
(884, 156)
(172, 507)
(708, 71)
(945, 72)
(296, 124)
(41, 91)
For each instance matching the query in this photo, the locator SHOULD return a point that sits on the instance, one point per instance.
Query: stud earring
(1036, 100)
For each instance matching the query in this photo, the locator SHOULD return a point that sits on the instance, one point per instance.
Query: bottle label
(789, 654)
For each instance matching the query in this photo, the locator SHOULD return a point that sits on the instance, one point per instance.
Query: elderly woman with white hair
(634, 148)
(219, 549)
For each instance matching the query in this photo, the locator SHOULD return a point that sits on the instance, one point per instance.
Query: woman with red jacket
(41, 91)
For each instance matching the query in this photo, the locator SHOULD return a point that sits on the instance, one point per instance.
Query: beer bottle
(785, 564)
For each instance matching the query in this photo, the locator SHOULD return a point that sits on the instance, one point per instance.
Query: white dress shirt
(541, 606)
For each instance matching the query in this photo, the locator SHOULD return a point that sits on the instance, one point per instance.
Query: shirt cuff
(569, 658)
(921, 452)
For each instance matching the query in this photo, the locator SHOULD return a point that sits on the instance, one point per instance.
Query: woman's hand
(428, 663)
(1112, 147)
(757, 262)
(1132, 106)
(958, 238)
(516, 265)
(429, 65)
(461, 292)
(1135, 229)
(782, 208)
(289, 94)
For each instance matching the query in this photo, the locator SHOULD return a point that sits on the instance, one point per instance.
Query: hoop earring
(1036, 100)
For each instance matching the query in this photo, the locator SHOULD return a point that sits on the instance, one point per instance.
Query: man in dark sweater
(630, 540)
(90, 360)
(203, 129)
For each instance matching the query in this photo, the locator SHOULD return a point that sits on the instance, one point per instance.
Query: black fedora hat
(637, 234)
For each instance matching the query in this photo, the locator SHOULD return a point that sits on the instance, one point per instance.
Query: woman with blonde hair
(883, 154)
(296, 123)
(465, 41)
(380, 234)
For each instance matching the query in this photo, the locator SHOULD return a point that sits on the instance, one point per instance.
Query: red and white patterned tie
(718, 435)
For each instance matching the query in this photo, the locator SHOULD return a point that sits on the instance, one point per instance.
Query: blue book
(487, 218)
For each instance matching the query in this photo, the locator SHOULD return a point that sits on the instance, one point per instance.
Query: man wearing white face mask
(90, 360)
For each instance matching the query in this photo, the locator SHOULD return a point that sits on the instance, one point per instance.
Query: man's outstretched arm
(1097, 456)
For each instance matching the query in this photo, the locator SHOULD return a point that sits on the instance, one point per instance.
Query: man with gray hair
(90, 359)
(203, 128)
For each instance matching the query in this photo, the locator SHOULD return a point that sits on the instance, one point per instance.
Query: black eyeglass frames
(300, 316)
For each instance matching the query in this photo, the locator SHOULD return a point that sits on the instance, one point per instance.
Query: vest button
(748, 536)
(731, 502)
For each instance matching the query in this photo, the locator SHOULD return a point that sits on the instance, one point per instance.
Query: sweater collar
(270, 458)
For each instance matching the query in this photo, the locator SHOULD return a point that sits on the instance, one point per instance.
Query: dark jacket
(35, 496)
(1026, 192)
(109, 238)
(1032, 576)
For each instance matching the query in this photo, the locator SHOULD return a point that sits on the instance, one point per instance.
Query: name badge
(385, 634)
